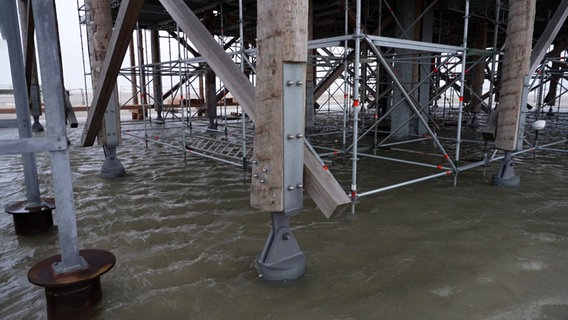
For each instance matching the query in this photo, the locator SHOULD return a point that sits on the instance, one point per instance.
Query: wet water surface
(185, 238)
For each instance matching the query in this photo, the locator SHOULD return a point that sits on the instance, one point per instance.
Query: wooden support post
(278, 41)
(516, 63)
(310, 71)
(121, 35)
(99, 31)
(211, 97)
(277, 184)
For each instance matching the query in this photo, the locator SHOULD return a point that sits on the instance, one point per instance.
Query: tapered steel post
(72, 278)
(31, 216)
(49, 55)
(10, 30)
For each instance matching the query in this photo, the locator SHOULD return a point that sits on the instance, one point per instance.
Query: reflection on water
(185, 239)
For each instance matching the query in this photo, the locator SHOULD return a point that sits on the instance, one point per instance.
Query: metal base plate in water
(30, 221)
(70, 295)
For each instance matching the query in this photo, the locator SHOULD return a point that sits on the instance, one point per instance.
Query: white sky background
(68, 20)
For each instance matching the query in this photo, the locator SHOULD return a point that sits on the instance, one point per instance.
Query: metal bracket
(506, 176)
(281, 258)
(521, 132)
(294, 92)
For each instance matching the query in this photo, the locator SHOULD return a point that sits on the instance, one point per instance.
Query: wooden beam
(548, 35)
(119, 41)
(516, 63)
(317, 178)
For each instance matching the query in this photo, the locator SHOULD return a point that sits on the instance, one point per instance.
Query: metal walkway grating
(219, 148)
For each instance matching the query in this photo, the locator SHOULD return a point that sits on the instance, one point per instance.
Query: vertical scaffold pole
(345, 75)
(84, 65)
(356, 106)
(462, 87)
(49, 54)
(494, 58)
(244, 116)
(181, 98)
(141, 73)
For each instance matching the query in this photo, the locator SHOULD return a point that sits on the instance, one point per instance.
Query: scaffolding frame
(366, 78)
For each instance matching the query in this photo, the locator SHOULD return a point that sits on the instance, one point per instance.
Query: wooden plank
(316, 178)
(516, 63)
(548, 35)
(321, 185)
(121, 35)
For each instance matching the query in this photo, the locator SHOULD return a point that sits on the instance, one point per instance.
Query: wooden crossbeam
(119, 41)
(548, 35)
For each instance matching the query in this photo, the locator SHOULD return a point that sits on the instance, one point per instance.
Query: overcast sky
(68, 19)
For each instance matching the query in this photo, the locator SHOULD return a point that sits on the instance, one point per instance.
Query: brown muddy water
(185, 238)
